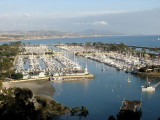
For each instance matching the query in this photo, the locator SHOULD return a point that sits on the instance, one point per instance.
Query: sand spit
(37, 87)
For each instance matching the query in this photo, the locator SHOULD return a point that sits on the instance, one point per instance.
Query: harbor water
(103, 95)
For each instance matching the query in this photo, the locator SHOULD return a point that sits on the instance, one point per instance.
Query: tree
(79, 112)
(143, 50)
(88, 44)
(0, 83)
(19, 104)
(129, 115)
(15, 104)
(84, 112)
(111, 118)
(17, 76)
(48, 108)
(7, 54)
(23, 93)
(67, 111)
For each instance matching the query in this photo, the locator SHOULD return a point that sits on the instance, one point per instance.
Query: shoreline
(29, 80)
(56, 37)
(63, 37)
(40, 87)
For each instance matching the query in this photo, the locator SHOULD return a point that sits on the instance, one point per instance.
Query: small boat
(129, 80)
(148, 87)
(103, 69)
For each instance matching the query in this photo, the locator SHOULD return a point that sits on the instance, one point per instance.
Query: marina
(104, 94)
(128, 62)
(42, 65)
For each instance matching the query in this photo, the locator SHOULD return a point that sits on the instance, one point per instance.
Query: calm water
(104, 94)
(148, 41)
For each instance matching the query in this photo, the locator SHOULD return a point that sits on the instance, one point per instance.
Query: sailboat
(148, 87)
(158, 38)
(103, 69)
(129, 80)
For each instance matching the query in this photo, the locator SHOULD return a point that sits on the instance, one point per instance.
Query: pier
(58, 78)
(156, 85)
(72, 77)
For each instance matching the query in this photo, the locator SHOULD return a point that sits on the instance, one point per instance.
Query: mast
(148, 83)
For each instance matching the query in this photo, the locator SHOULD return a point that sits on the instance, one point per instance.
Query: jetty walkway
(58, 78)
(156, 85)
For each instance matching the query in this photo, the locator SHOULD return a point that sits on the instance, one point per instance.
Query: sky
(121, 16)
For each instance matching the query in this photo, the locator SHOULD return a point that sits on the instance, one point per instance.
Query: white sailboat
(103, 68)
(148, 87)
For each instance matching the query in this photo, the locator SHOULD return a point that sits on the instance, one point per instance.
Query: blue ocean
(147, 41)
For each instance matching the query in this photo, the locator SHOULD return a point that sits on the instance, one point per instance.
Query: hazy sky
(123, 16)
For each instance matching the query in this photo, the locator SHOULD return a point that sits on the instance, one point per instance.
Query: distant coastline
(55, 37)
(46, 34)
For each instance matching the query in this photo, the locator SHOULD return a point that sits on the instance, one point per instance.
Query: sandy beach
(37, 87)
